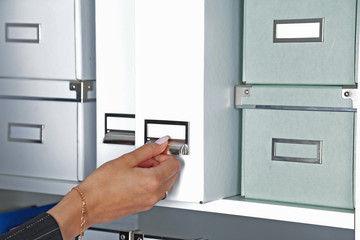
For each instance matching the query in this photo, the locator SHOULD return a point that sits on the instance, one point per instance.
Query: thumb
(148, 151)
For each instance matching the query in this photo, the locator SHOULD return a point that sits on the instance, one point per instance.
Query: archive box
(47, 39)
(48, 132)
(300, 153)
(299, 42)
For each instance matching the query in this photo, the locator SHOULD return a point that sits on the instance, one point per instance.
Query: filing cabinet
(299, 42)
(47, 39)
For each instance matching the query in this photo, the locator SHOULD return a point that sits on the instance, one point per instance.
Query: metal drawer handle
(177, 147)
(119, 129)
(177, 130)
(120, 137)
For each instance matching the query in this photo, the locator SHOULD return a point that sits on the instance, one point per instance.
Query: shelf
(36, 185)
(339, 218)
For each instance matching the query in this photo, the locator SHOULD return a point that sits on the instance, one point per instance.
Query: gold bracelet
(83, 212)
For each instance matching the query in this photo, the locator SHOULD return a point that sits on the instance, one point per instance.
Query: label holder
(298, 30)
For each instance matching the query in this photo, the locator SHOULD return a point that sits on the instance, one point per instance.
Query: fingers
(149, 163)
(146, 152)
(162, 176)
(167, 186)
(167, 167)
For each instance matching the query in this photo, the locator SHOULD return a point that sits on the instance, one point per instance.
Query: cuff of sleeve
(42, 227)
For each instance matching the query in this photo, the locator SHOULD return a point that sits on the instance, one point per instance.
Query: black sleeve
(42, 227)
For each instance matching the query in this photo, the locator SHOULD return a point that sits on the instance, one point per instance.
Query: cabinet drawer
(303, 157)
(299, 42)
(47, 39)
(39, 139)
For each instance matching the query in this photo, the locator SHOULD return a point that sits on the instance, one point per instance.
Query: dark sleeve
(42, 227)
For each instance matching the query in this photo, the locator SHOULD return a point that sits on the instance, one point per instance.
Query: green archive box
(309, 42)
(300, 153)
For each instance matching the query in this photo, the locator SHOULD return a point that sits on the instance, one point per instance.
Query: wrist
(68, 213)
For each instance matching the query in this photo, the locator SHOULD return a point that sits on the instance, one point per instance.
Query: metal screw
(122, 237)
(346, 94)
(246, 91)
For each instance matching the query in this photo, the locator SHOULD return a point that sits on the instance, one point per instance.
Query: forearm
(129, 184)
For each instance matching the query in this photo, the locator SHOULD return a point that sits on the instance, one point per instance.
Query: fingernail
(162, 140)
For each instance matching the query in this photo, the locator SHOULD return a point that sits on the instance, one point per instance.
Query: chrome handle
(119, 129)
(176, 147)
(120, 137)
(178, 131)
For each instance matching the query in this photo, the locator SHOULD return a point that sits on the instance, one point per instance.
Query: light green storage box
(298, 154)
(299, 42)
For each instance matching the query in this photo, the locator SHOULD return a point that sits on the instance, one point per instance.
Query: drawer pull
(119, 129)
(295, 150)
(22, 32)
(29, 133)
(120, 137)
(178, 131)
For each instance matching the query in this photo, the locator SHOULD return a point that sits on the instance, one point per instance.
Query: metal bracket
(131, 235)
(351, 93)
(240, 92)
(81, 88)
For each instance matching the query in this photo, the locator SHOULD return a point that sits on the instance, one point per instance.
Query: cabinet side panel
(222, 73)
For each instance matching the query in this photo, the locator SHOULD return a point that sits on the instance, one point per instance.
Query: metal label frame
(166, 122)
(119, 136)
(176, 146)
(26, 125)
(317, 143)
(295, 21)
(37, 26)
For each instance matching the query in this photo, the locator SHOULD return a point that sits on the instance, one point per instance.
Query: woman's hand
(132, 183)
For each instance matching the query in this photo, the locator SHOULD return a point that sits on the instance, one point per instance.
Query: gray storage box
(299, 154)
(299, 42)
(46, 134)
(49, 39)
